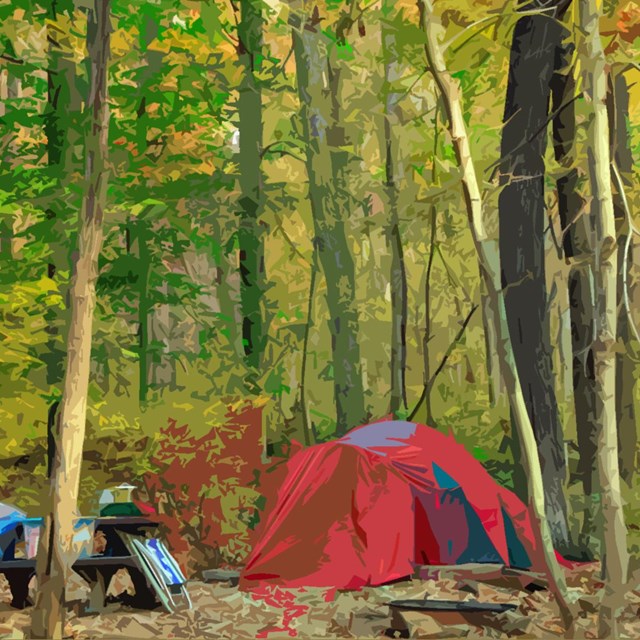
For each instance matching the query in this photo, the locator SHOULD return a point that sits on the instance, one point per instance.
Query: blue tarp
(10, 518)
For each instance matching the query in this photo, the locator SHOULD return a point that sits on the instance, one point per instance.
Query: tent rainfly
(366, 509)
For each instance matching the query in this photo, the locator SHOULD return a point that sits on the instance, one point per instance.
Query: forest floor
(221, 611)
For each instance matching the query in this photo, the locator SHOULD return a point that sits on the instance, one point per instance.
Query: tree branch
(270, 148)
(627, 246)
(444, 360)
(8, 58)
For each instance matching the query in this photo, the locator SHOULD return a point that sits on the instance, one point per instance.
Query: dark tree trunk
(52, 435)
(252, 271)
(578, 251)
(522, 247)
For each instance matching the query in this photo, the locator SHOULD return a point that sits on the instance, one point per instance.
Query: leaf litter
(221, 612)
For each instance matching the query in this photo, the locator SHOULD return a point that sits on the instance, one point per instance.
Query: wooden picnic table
(97, 570)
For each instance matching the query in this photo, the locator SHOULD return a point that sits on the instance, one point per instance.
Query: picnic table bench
(98, 569)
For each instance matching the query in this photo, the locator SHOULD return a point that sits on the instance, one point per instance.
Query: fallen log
(445, 612)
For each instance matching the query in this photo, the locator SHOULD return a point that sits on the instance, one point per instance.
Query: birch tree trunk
(614, 556)
(490, 267)
(326, 164)
(55, 553)
(496, 388)
(398, 280)
(522, 211)
(626, 383)
(252, 269)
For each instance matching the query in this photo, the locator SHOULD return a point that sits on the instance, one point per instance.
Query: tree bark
(626, 383)
(522, 246)
(55, 553)
(578, 250)
(615, 557)
(490, 267)
(425, 398)
(62, 128)
(496, 388)
(563, 340)
(326, 165)
(307, 424)
(141, 233)
(426, 338)
(156, 368)
(252, 269)
(398, 279)
(4, 90)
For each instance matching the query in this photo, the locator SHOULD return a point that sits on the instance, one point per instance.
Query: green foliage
(172, 230)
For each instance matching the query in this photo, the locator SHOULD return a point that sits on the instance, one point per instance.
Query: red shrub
(207, 491)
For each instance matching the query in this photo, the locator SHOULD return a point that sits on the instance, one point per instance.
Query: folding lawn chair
(162, 572)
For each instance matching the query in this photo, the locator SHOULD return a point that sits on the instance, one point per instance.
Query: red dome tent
(365, 509)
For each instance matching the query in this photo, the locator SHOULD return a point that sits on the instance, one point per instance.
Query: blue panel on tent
(480, 548)
(518, 556)
(443, 478)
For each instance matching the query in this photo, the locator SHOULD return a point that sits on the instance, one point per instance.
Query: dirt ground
(221, 611)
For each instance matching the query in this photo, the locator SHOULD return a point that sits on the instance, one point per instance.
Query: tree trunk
(55, 553)
(252, 270)
(496, 388)
(4, 90)
(156, 368)
(326, 164)
(615, 557)
(141, 240)
(522, 248)
(307, 425)
(62, 128)
(618, 107)
(563, 340)
(425, 398)
(578, 250)
(490, 267)
(426, 338)
(7, 134)
(469, 376)
(398, 279)
(162, 366)
(229, 296)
